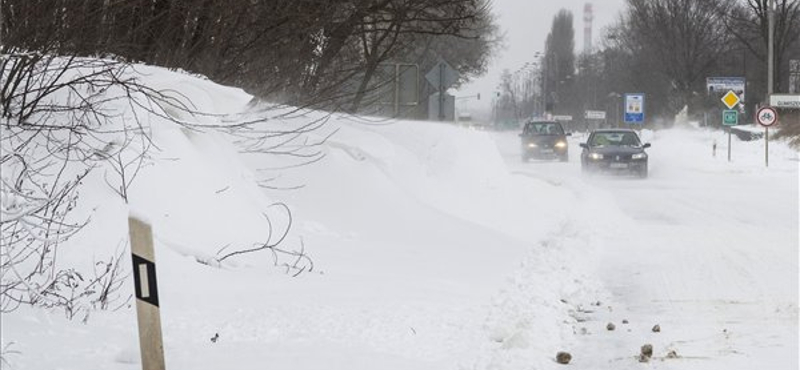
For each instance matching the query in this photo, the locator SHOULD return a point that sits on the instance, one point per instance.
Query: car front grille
(620, 158)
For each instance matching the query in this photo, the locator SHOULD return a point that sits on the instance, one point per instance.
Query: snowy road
(703, 248)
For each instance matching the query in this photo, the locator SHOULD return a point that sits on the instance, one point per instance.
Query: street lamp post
(770, 70)
(617, 101)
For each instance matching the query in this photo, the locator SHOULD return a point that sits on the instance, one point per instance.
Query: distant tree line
(322, 53)
(666, 49)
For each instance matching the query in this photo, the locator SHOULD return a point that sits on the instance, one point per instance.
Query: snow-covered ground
(704, 248)
(434, 247)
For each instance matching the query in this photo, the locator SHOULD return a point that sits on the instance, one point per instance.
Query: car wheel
(525, 158)
(564, 158)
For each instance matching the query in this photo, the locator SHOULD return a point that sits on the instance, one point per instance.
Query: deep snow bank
(413, 227)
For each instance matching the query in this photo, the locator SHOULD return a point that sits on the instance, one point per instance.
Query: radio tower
(588, 18)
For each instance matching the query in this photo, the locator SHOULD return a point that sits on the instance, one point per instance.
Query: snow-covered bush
(61, 118)
(64, 118)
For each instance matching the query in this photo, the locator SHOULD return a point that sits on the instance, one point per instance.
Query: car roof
(533, 122)
(615, 130)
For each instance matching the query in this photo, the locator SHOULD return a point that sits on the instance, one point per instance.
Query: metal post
(543, 93)
(766, 146)
(546, 76)
(441, 92)
(771, 48)
(557, 89)
(455, 111)
(494, 109)
(396, 90)
(729, 144)
(770, 70)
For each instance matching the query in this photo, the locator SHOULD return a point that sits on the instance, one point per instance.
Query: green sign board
(730, 117)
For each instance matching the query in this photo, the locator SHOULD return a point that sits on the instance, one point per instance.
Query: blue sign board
(634, 109)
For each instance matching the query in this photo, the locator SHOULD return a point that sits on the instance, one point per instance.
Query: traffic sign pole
(766, 146)
(441, 77)
(730, 117)
(767, 117)
(729, 144)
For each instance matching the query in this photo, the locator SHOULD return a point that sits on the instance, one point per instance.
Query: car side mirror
(646, 145)
(569, 134)
(584, 145)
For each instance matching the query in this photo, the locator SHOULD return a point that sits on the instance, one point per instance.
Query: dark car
(614, 150)
(544, 140)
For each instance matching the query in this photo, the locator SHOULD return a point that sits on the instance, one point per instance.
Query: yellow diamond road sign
(731, 99)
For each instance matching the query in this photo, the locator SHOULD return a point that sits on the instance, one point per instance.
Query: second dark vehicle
(614, 150)
(544, 140)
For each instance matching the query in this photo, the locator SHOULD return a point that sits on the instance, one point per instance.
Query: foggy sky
(526, 24)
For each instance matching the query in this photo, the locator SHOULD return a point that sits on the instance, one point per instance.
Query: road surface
(705, 249)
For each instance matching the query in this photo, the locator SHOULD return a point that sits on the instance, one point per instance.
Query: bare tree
(559, 62)
(687, 38)
(323, 54)
(748, 21)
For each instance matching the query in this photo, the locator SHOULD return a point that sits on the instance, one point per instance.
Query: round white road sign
(767, 116)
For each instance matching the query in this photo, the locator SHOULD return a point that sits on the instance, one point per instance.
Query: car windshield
(621, 139)
(543, 128)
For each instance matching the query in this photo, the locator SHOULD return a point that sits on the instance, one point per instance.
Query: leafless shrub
(75, 294)
(125, 162)
(295, 262)
(5, 353)
(61, 118)
(109, 277)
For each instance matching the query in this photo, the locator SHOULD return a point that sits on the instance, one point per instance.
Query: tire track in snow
(670, 250)
(544, 304)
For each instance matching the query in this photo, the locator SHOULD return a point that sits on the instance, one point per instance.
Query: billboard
(634, 108)
(719, 86)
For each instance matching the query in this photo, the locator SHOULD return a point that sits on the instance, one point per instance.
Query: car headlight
(596, 156)
(532, 145)
(561, 144)
(639, 156)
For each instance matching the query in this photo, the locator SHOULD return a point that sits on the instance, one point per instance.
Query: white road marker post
(147, 309)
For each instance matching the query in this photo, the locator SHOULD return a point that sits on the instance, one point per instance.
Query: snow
(434, 247)
(756, 129)
(704, 248)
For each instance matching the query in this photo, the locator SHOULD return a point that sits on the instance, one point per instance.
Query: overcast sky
(525, 24)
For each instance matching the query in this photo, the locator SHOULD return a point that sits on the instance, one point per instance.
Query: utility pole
(441, 92)
(770, 70)
(545, 77)
(771, 48)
